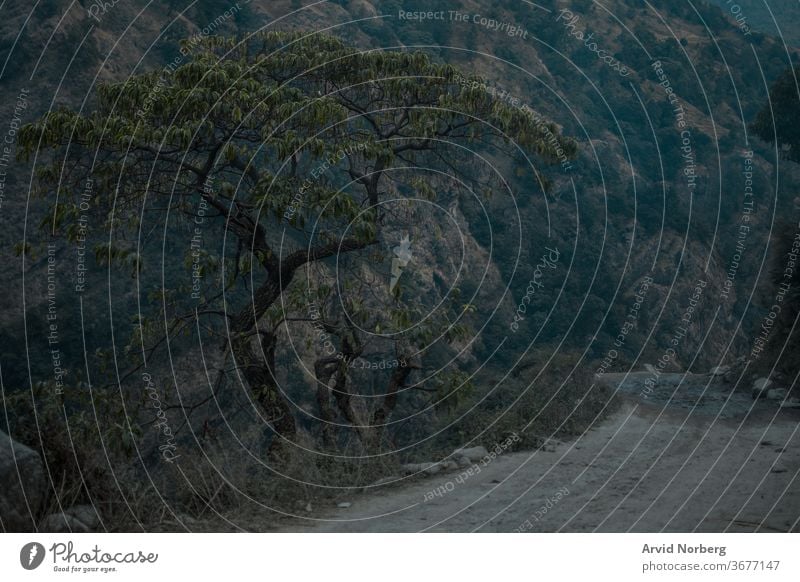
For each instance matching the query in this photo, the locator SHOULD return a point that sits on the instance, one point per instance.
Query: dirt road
(645, 468)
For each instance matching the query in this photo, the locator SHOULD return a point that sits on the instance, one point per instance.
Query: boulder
(776, 393)
(62, 523)
(23, 485)
(762, 383)
(450, 465)
(760, 387)
(474, 454)
(425, 468)
(719, 371)
(463, 461)
(85, 514)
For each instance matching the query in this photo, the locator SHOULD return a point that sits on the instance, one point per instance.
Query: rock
(776, 393)
(186, 519)
(432, 468)
(719, 371)
(85, 514)
(309, 509)
(344, 505)
(474, 454)
(450, 465)
(760, 387)
(762, 383)
(23, 485)
(425, 468)
(463, 461)
(62, 523)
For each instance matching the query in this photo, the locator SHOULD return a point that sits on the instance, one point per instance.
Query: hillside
(652, 246)
(774, 18)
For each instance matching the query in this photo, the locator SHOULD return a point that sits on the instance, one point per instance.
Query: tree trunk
(338, 368)
(258, 371)
(344, 400)
(324, 369)
(384, 411)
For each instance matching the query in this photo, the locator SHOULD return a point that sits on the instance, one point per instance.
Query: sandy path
(643, 469)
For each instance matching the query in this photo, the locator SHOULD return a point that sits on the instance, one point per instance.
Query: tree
(290, 142)
(778, 118)
(777, 121)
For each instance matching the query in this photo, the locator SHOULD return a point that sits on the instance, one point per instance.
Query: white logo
(403, 256)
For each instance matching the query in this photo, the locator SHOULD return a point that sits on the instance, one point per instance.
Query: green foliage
(453, 389)
(287, 140)
(249, 108)
(82, 433)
